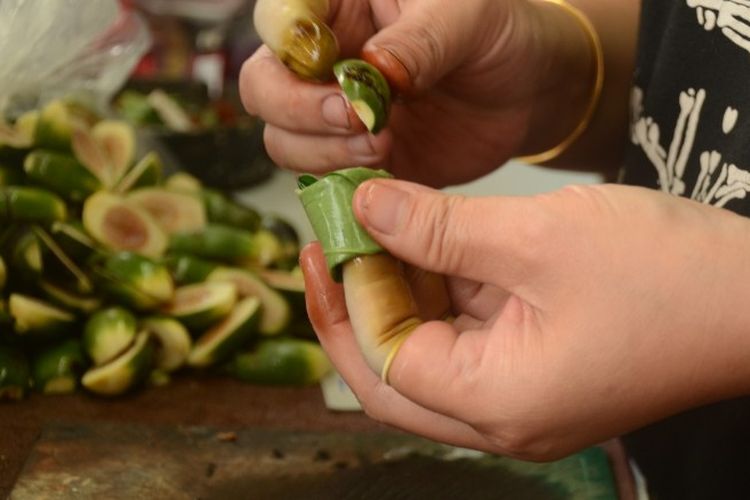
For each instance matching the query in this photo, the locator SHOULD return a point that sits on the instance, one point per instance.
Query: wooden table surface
(224, 404)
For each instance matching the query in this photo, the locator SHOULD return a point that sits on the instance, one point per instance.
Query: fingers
(495, 240)
(430, 292)
(324, 298)
(315, 153)
(435, 367)
(309, 127)
(479, 300)
(277, 96)
(327, 310)
(427, 41)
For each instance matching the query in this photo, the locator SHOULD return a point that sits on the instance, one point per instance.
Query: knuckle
(444, 223)
(373, 411)
(427, 46)
(372, 402)
(293, 109)
(331, 155)
(524, 442)
(246, 87)
(534, 235)
(579, 201)
(273, 145)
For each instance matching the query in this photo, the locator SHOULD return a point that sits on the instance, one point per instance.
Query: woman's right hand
(474, 78)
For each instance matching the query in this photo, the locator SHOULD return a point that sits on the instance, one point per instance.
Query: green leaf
(306, 180)
(328, 205)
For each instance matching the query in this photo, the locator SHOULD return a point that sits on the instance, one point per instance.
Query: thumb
(424, 43)
(492, 239)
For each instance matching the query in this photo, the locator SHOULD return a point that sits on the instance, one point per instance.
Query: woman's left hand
(581, 314)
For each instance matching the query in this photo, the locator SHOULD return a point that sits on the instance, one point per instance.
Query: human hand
(581, 314)
(473, 77)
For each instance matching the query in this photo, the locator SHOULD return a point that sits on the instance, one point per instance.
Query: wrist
(732, 317)
(568, 77)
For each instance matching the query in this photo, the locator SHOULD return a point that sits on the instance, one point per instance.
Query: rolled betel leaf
(328, 204)
(367, 90)
(379, 300)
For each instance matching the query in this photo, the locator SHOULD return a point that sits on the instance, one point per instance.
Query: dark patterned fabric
(690, 136)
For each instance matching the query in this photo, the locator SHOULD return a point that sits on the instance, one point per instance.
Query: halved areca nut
(61, 173)
(71, 300)
(217, 242)
(15, 374)
(37, 318)
(57, 369)
(287, 237)
(135, 280)
(276, 312)
(73, 239)
(108, 333)
(224, 338)
(222, 210)
(203, 304)
(61, 263)
(19, 136)
(187, 269)
(122, 225)
(107, 149)
(27, 262)
(125, 371)
(267, 250)
(296, 32)
(134, 107)
(29, 204)
(55, 126)
(118, 140)
(174, 212)
(173, 342)
(170, 112)
(367, 90)
(290, 285)
(184, 183)
(147, 172)
(26, 123)
(281, 362)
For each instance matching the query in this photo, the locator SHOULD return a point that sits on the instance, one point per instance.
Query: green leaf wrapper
(328, 205)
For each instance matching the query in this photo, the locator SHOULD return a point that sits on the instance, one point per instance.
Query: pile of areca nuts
(114, 275)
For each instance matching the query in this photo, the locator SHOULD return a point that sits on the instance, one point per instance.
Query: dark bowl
(224, 158)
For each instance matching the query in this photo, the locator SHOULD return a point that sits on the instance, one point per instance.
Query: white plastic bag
(52, 48)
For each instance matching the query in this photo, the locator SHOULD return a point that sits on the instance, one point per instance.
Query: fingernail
(383, 207)
(360, 146)
(393, 69)
(335, 113)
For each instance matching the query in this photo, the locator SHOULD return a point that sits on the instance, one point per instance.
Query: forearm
(567, 86)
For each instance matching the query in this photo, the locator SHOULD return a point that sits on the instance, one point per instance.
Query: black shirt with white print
(690, 136)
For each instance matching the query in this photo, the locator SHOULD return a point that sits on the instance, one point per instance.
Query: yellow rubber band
(391, 355)
(596, 47)
(409, 327)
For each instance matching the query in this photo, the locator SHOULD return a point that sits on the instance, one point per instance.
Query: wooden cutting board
(119, 461)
